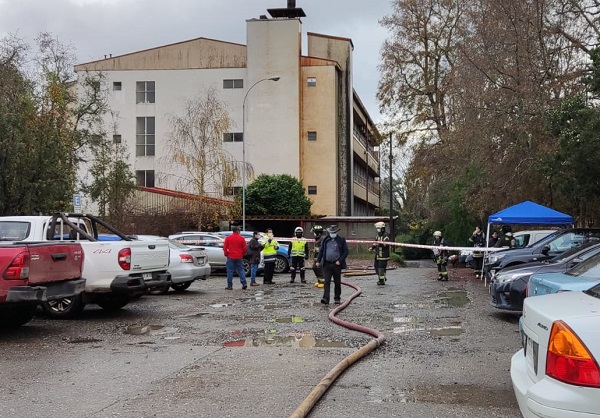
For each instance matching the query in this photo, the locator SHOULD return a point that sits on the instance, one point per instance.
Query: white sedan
(556, 374)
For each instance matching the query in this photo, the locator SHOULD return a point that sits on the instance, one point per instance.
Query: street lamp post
(244, 139)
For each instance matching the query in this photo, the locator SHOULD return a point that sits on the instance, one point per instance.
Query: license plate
(147, 276)
(531, 353)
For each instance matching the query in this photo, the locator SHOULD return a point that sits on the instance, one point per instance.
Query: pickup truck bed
(36, 272)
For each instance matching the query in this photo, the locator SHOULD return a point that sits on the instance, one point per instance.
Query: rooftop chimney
(288, 13)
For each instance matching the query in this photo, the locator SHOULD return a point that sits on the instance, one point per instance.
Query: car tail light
(125, 258)
(18, 268)
(568, 359)
(186, 258)
(527, 290)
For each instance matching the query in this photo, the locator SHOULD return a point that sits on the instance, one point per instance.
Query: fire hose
(315, 395)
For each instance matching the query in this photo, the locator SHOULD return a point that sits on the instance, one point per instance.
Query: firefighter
(298, 251)
(317, 230)
(506, 239)
(440, 256)
(382, 252)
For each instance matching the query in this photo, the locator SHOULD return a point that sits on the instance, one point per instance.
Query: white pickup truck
(115, 272)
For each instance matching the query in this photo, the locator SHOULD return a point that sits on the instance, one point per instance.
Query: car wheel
(160, 290)
(16, 316)
(281, 264)
(63, 308)
(113, 303)
(180, 287)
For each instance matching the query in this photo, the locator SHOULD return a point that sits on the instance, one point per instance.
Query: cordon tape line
(285, 240)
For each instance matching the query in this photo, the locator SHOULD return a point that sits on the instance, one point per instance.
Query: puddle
(295, 341)
(415, 305)
(199, 314)
(450, 331)
(84, 340)
(149, 330)
(454, 298)
(292, 319)
(469, 395)
(251, 299)
(221, 305)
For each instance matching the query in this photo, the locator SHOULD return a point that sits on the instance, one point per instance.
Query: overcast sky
(98, 27)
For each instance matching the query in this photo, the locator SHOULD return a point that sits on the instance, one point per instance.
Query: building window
(312, 136)
(144, 178)
(312, 189)
(117, 139)
(232, 191)
(117, 86)
(144, 92)
(233, 137)
(233, 83)
(311, 81)
(145, 137)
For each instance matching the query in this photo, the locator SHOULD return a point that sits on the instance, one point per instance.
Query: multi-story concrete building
(310, 123)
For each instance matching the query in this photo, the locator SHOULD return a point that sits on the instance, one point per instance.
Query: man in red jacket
(235, 248)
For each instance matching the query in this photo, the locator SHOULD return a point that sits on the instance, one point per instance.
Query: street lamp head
(274, 78)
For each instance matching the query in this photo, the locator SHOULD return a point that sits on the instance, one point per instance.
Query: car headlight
(494, 258)
(508, 277)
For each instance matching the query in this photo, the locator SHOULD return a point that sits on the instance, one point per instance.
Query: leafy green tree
(278, 194)
(44, 125)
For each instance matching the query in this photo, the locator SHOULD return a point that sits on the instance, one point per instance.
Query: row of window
(145, 136)
(146, 178)
(145, 91)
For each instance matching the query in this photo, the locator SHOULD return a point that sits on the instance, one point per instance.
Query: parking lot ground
(250, 353)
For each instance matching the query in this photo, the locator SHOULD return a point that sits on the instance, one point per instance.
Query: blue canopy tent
(528, 213)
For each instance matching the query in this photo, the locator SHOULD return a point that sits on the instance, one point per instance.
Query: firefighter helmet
(437, 234)
(299, 229)
(380, 225)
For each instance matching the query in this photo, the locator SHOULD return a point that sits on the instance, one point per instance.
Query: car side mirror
(545, 249)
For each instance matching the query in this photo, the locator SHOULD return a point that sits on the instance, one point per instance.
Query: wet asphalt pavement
(209, 352)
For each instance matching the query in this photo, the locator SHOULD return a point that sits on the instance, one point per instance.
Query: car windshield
(588, 268)
(567, 255)
(594, 291)
(545, 240)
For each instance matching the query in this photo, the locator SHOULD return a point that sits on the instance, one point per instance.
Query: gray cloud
(98, 28)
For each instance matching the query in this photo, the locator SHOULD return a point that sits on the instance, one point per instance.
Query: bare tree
(196, 152)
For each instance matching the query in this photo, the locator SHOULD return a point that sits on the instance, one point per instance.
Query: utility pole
(392, 234)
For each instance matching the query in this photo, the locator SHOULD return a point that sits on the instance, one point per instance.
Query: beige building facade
(310, 123)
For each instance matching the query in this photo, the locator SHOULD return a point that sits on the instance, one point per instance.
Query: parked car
(508, 287)
(583, 276)
(556, 373)
(548, 247)
(282, 262)
(186, 264)
(212, 244)
(115, 272)
(522, 239)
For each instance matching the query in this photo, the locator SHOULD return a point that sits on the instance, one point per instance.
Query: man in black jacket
(332, 256)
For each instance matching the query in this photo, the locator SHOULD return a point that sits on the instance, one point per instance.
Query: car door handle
(151, 247)
(59, 256)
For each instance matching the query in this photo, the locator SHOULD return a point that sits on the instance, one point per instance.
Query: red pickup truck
(36, 272)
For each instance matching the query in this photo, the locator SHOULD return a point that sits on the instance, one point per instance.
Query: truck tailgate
(149, 255)
(52, 262)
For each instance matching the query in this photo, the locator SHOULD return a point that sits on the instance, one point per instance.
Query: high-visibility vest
(298, 248)
(270, 247)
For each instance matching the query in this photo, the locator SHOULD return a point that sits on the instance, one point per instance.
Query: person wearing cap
(332, 256)
(440, 256)
(382, 252)
(235, 249)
